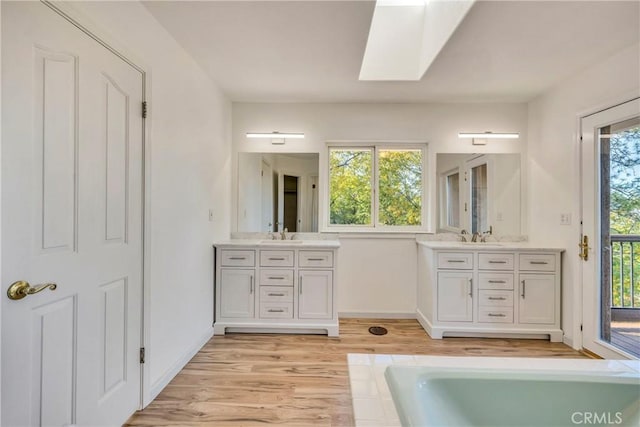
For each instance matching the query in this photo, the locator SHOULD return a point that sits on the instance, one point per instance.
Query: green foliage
(625, 216)
(625, 182)
(399, 187)
(350, 186)
(400, 181)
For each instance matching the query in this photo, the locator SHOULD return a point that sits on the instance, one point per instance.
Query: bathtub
(437, 396)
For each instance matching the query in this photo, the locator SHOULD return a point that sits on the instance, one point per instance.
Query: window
(376, 186)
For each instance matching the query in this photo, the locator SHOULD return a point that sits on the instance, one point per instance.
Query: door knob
(21, 289)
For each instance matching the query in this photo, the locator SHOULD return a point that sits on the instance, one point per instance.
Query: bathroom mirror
(479, 193)
(277, 191)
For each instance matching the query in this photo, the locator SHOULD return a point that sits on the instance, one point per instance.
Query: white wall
(378, 275)
(190, 170)
(553, 163)
(0, 215)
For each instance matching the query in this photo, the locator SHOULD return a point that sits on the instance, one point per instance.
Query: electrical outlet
(210, 215)
(499, 216)
(565, 219)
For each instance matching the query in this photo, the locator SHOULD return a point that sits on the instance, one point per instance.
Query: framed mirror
(277, 191)
(479, 193)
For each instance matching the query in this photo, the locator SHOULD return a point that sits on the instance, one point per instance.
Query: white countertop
(487, 246)
(271, 244)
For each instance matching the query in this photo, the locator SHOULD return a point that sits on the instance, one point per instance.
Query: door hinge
(144, 109)
(584, 248)
(142, 354)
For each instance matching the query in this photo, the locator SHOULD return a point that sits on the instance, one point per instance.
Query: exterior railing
(625, 271)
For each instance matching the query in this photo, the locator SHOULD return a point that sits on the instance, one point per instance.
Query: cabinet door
(315, 294)
(237, 297)
(455, 297)
(537, 298)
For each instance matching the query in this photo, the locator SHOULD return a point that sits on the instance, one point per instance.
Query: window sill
(376, 234)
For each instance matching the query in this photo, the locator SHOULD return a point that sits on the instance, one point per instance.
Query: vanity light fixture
(276, 137)
(478, 138)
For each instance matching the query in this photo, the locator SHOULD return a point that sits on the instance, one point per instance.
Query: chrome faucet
(475, 237)
(463, 235)
(283, 234)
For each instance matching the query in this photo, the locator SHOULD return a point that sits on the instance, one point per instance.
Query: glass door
(610, 241)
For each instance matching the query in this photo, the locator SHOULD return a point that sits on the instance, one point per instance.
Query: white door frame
(590, 225)
(104, 37)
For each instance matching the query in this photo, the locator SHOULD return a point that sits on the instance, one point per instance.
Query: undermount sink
(280, 242)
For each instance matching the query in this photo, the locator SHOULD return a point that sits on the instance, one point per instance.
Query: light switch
(565, 219)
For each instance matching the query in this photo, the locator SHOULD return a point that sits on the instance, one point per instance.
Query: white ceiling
(311, 51)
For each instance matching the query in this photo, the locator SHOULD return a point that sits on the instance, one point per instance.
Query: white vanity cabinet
(238, 283)
(470, 290)
(455, 301)
(290, 287)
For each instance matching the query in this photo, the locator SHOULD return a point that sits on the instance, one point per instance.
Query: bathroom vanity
(489, 289)
(276, 286)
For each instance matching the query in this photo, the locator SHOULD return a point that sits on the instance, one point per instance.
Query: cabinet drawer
(538, 262)
(315, 259)
(495, 281)
(276, 294)
(495, 261)
(496, 298)
(276, 311)
(274, 277)
(457, 260)
(495, 315)
(237, 258)
(276, 258)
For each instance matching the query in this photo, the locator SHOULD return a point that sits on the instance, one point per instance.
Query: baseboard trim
(159, 385)
(377, 314)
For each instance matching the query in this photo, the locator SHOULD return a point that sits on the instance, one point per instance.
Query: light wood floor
(242, 379)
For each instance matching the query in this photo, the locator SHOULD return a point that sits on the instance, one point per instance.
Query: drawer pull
(471, 288)
(272, 310)
(251, 288)
(276, 277)
(497, 262)
(315, 259)
(496, 315)
(237, 258)
(538, 262)
(497, 281)
(276, 259)
(497, 298)
(456, 260)
(523, 289)
(276, 295)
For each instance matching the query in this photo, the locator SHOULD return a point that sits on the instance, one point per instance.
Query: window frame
(375, 225)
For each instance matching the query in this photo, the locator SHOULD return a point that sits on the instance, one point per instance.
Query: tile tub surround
(372, 401)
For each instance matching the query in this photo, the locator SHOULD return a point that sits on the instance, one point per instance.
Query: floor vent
(377, 330)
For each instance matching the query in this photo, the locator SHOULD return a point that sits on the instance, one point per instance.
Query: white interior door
(71, 215)
(592, 295)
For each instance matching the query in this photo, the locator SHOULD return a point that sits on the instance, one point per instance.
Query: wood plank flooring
(626, 335)
(247, 379)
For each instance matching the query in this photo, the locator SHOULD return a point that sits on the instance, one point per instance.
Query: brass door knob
(21, 289)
